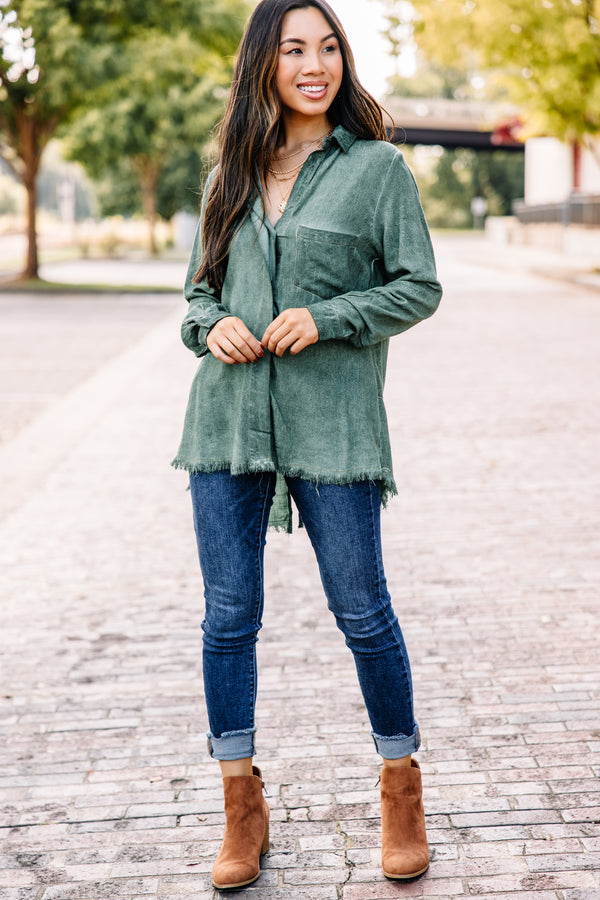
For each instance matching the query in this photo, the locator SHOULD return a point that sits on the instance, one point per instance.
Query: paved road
(492, 553)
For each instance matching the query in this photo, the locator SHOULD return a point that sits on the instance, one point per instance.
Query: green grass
(50, 256)
(73, 254)
(39, 286)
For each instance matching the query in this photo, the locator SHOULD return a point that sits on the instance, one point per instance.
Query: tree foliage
(450, 179)
(58, 56)
(431, 80)
(153, 123)
(545, 52)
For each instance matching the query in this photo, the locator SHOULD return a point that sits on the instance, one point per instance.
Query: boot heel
(404, 851)
(246, 832)
(265, 843)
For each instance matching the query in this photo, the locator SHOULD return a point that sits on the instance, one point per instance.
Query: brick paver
(492, 553)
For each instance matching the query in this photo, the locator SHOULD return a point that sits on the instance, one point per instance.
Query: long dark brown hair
(251, 127)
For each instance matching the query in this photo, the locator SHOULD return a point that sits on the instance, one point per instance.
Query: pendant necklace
(281, 206)
(291, 174)
(281, 178)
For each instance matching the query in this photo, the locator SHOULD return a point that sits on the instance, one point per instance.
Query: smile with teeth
(312, 88)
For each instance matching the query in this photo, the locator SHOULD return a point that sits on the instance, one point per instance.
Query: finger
(232, 336)
(284, 342)
(218, 353)
(277, 336)
(300, 344)
(279, 343)
(281, 324)
(235, 352)
(270, 331)
(247, 350)
(221, 347)
(250, 345)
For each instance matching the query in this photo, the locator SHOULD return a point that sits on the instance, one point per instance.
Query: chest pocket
(329, 263)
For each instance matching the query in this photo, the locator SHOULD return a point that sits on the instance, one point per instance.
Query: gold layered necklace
(283, 176)
(302, 149)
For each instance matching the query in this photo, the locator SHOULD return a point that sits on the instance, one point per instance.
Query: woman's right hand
(231, 342)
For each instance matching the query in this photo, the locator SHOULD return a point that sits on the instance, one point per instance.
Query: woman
(313, 251)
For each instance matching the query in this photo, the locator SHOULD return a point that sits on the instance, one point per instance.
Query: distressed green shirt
(353, 247)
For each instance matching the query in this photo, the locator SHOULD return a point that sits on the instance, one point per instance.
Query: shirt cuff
(194, 333)
(326, 319)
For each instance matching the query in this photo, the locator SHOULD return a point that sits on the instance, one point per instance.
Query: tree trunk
(148, 178)
(31, 264)
(30, 153)
(576, 167)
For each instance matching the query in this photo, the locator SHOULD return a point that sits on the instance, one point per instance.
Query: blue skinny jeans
(343, 523)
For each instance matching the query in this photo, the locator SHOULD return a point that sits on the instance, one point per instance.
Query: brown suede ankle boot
(404, 851)
(246, 831)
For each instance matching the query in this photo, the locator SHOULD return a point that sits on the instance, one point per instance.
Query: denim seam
(258, 543)
(374, 543)
(380, 576)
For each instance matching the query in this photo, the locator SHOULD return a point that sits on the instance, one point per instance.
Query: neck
(299, 130)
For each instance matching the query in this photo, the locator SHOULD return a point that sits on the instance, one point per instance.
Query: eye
(293, 50)
(330, 48)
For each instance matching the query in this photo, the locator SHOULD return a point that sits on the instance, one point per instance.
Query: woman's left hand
(294, 329)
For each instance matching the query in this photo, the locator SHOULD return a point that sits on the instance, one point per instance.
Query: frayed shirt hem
(384, 476)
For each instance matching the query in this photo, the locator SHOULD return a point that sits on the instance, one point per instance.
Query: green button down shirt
(353, 247)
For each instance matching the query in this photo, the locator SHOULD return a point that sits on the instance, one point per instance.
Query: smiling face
(310, 66)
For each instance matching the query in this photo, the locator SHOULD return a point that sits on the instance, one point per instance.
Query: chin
(311, 107)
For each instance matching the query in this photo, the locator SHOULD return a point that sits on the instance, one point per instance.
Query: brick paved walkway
(492, 554)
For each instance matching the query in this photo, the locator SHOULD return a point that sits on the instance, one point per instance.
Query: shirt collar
(340, 136)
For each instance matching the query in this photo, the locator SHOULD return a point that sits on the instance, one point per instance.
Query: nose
(313, 62)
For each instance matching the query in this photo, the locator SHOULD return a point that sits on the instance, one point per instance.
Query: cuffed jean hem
(397, 746)
(231, 744)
